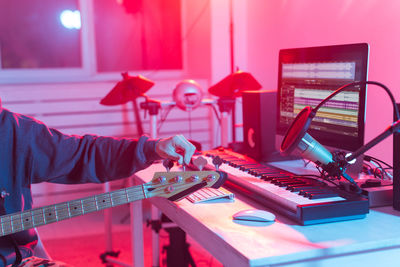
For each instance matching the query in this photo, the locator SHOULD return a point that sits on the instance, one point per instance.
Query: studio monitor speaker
(259, 124)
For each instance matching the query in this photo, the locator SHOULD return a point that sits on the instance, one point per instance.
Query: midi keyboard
(303, 199)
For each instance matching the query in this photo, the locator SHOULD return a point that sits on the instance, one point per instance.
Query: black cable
(315, 177)
(216, 113)
(163, 118)
(369, 158)
(379, 168)
(374, 141)
(196, 20)
(367, 169)
(396, 110)
(185, 36)
(324, 177)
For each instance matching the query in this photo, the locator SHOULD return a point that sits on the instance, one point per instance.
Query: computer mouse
(254, 215)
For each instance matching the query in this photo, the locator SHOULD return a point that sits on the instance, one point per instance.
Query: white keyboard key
(271, 191)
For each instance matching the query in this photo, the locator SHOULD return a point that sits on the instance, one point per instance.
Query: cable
(216, 113)
(184, 38)
(314, 176)
(369, 158)
(396, 110)
(379, 170)
(163, 118)
(196, 20)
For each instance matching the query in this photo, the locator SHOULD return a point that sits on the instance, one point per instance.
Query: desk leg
(108, 222)
(155, 238)
(137, 233)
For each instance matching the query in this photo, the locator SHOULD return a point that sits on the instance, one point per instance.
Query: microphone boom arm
(389, 131)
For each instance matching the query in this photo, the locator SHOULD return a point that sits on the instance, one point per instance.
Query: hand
(177, 148)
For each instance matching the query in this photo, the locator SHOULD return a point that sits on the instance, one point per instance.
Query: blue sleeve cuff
(149, 149)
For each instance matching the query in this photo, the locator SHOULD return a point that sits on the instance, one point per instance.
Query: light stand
(297, 138)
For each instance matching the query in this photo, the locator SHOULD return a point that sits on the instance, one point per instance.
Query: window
(138, 35)
(32, 35)
(79, 38)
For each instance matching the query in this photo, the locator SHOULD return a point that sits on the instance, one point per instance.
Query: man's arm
(56, 157)
(80, 159)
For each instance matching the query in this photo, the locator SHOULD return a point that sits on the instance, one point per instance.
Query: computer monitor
(309, 75)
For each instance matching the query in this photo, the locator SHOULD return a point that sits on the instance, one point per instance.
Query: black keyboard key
(299, 188)
(322, 195)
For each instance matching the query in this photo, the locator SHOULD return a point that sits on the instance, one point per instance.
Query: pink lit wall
(277, 24)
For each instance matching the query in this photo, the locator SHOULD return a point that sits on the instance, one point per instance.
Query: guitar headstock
(177, 185)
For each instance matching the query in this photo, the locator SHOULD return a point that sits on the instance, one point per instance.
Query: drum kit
(187, 96)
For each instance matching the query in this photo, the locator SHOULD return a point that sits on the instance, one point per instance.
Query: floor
(68, 238)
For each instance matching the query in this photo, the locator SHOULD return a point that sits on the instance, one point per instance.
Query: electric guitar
(171, 185)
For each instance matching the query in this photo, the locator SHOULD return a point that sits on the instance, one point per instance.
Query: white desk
(373, 241)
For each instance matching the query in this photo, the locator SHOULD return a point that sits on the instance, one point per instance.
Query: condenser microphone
(298, 140)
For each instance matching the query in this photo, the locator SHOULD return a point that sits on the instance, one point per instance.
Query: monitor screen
(309, 75)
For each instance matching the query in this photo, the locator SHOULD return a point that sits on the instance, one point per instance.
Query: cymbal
(233, 85)
(130, 88)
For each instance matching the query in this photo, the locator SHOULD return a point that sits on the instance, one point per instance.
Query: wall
(73, 107)
(277, 24)
(196, 37)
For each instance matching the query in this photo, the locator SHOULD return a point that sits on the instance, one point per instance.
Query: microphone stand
(336, 168)
(392, 129)
(396, 167)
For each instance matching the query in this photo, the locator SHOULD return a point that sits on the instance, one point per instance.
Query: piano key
(298, 188)
(322, 195)
(309, 192)
(286, 198)
(255, 183)
(289, 183)
(267, 177)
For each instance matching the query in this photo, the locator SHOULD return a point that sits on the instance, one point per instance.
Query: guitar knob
(178, 179)
(210, 178)
(194, 178)
(169, 189)
(162, 179)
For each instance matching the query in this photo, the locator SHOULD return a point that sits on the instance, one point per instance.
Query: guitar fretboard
(20, 221)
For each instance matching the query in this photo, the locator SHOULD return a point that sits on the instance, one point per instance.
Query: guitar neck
(171, 185)
(25, 220)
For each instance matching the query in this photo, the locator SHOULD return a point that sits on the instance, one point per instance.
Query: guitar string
(16, 223)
